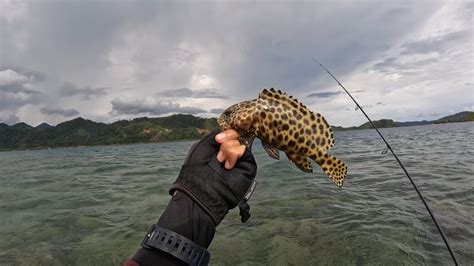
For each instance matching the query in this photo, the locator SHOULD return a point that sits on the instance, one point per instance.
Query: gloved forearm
(185, 217)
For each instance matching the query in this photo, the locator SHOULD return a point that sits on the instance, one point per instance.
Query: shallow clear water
(93, 205)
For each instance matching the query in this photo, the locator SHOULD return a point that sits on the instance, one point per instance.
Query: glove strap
(176, 245)
(244, 206)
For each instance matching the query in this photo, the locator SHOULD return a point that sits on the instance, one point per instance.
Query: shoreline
(184, 140)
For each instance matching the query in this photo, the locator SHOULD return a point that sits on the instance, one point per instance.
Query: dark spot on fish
(280, 137)
(291, 143)
(301, 140)
(294, 112)
(296, 135)
(308, 142)
(308, 131)
(320, 154)
(279, 109)
(298, 116)
(285, 127)
(306, 122)
(326, 134)
(313, 146)
(270, 117)
(318, 140)
(312, 116)
(284, 116)
(318, 120)
(323, 142)
(292, 122)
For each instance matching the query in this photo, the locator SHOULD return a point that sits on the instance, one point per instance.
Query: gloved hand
(208, 183)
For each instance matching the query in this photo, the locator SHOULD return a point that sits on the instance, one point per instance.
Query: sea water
(93, 205)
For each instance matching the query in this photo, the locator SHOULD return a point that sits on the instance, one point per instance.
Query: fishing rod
(440, 230)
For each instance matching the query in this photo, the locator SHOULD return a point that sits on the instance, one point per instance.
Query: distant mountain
(459, 117)
(413, 123)
(43, 126)
(385, 123)
(83, 132)
(22, 126)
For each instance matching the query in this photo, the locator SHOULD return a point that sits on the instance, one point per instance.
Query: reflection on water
(92, 205)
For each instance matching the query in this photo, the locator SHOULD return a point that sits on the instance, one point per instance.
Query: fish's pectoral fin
(300, 161)
(335, 168)
(271, 151)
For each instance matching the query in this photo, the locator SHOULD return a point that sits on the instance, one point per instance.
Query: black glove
(209, 184)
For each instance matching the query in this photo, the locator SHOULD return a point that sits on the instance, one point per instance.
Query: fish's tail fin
(335, 168)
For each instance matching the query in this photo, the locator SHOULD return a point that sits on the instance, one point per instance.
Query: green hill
(83, 132)
(385, 123)
(459, 117)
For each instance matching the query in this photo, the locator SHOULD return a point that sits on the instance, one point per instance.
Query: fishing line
(440, 230)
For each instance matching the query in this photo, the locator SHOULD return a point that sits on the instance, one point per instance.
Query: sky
(112, 60)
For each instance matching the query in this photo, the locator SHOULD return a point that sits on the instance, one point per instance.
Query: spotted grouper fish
(282, 123)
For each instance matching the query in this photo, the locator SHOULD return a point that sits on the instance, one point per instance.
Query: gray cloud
(324, 94)
(68, 89)
(141, 106)
(437, 44)
(189, 93)
(17, 90)
(11, 119)
(14, 81)
(328, 94)
(217, 111)
(154, 45)
(392, 64)
(59, 111)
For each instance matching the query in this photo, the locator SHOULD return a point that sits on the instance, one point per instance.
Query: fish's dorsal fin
(271, 151)
(279, 96)
(320, 128)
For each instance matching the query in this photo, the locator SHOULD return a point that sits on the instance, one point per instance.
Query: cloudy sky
(111, 60)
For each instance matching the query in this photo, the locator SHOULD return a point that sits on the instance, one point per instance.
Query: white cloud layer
(407, 60)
